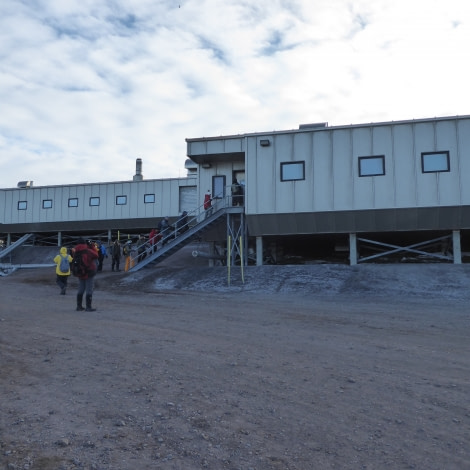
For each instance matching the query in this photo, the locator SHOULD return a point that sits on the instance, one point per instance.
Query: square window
(372, 166)
(292, 171)
(149, 198)
(432, 162)
(22, 205)
(73, 202)
(47, 204)
(121, 200)
(94, 201)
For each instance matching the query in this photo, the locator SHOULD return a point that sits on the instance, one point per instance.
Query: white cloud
(87, 87)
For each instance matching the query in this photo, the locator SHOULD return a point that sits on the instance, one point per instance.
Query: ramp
(15, 245)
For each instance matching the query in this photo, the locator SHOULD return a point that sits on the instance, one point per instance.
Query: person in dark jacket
(141, 248)
(182, 223)
(116, 255)
(164, 228)
(237, 193)
(89, 256)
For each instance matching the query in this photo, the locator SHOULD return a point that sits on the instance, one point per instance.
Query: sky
(89, 86)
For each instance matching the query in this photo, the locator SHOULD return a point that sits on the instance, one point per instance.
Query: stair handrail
(194, 218)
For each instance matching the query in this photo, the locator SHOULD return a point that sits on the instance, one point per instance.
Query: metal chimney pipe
(138, 170)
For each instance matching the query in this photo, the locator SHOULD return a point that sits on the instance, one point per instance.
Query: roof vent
(315, 125)
(24, 184)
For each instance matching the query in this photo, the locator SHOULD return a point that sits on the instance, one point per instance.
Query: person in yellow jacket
(62, 270)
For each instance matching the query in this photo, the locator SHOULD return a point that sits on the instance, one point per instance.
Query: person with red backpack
(85, 256)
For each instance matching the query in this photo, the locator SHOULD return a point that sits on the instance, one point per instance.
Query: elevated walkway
(196, 226)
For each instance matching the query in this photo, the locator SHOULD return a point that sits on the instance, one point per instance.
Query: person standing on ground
(116, 255)
(62, 270)
(89, 255)
(102, 254)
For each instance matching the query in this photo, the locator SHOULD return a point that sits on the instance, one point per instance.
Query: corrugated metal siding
(167, 202)
(332, 181)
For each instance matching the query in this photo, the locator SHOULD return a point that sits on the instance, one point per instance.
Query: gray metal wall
(167, 202)
(333, 197)
(332, 182)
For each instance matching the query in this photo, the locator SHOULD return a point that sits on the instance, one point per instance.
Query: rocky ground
(292, 367)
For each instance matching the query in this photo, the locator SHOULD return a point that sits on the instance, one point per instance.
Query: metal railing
(137, 252)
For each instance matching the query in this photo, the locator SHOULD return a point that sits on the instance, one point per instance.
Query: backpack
(78, 267)
(64, 265)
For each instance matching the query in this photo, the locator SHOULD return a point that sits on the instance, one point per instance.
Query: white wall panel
(406, 166)
(303, 190)
(364, 187)
(426, 183)
(323, 188)
(383, 187)
(463, 156)
(234, 145)
(448, 183)
(342, 170)
(261, 177)
(284, 196)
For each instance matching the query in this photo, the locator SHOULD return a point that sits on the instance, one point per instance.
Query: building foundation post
(457, 250)
(352, 249)
(259, 251)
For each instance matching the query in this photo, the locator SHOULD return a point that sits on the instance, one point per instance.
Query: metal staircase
(175, 241)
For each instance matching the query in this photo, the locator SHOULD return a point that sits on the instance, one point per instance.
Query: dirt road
(235, 378)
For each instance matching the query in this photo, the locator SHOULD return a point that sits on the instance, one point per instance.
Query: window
(94, 201)
(292, 171)
(432, 162)
(22, 205)
(149, 198)
(73, 202)
(47, 204)
(121, 200)
(372, 166)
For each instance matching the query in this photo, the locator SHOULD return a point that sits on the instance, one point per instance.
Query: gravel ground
(285, 367)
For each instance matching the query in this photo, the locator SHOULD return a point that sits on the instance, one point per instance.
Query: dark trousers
(85, 285)
(61, 281)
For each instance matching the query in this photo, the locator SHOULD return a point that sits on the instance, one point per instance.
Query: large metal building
(380, 184)
(362, 192)
(128, 206)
